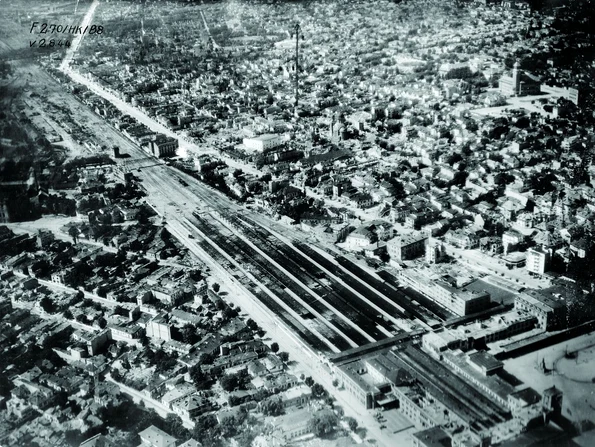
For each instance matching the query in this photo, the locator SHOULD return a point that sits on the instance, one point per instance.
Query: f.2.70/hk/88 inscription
(65, 29)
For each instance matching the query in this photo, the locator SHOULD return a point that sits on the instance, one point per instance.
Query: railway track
(383, 305)
(204, 249)
(327, 289)
(289, 317)
(397, 296)
(273, 280)
(311, 275)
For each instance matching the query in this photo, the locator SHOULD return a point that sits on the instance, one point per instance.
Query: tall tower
(516, 78)
(32, 184)
(144, 38)
(552, 400)
(297, 69)
(142, 30)
(4, 213)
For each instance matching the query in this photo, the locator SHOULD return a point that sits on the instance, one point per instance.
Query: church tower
(337, 128)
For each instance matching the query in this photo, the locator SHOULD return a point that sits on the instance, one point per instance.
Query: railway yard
(308, 286)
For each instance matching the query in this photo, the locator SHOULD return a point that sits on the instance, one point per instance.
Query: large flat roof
(545, 302)
(485, 360)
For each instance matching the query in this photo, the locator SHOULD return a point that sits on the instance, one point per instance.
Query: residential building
(435, 251)
(580, 247)
(454, 70)
(361, 237)
(94, 341)
(511, 239)
(191, 406)
(298, 395)
(98, 440)
(294, 425)
(406, 247)
(491, 245)
(462, 239)
(537, 260)
(191, 443)
(128, 334)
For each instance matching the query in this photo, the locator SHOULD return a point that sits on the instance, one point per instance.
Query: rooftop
(433, 437)
(544, 302)
(265, 137)
(157, 437)
(485, 361)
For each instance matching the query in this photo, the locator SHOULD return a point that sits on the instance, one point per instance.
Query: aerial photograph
(305, 223)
